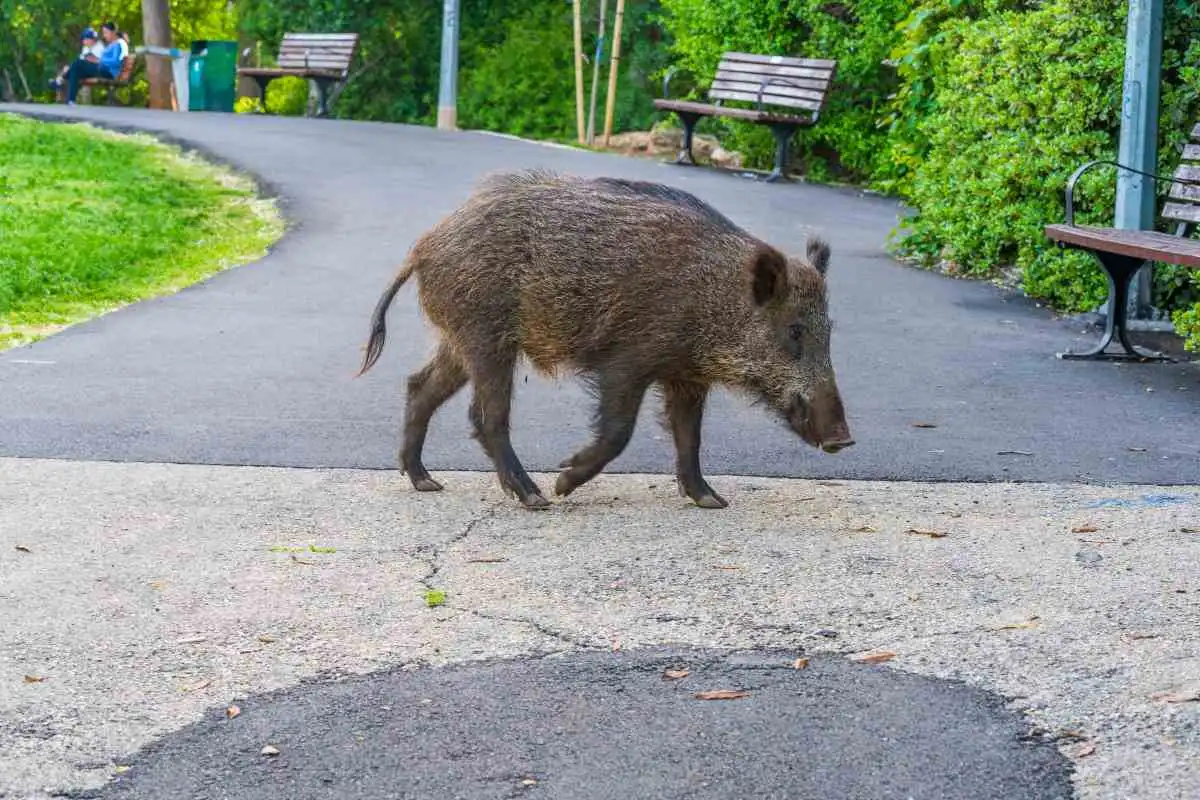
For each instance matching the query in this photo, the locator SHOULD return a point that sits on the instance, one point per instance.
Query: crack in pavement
(434, 561)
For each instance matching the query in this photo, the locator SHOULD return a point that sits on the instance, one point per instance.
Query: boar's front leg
(492, 377)
(685, 415)
(620, 400)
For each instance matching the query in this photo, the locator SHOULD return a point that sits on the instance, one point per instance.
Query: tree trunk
(156, 21)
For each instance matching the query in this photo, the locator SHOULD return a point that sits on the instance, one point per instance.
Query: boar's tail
(378, 319)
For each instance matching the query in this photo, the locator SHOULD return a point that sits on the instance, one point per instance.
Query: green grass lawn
(92, 220)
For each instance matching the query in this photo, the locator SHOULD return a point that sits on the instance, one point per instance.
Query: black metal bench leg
(689, 129)
(783, 139)
(262, 81)
(322, 97)
(1120, 271)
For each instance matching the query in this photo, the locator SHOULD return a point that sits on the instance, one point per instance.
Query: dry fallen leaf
(303, 561)
(121, 769)
(722, 694)
(1189, 530)
(232, 712)
(22, 548)
(1013, 453)
(192, 640)
(529, 782)
(160, 585)
(1089, 528)
(1143, 635)
(874, 658)
(726, 566)
(924, 425)
(674, 674)
(800, 663)
(930, 534)
(34, 679)
(1081, 750)
(266, 638)
(269, 750)
(866, 529)
(197, 687)
(1190, 694)
(487, 560)
(1032, 622)
(1137, 449)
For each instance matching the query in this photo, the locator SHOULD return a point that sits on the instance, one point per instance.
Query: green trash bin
(212, 76)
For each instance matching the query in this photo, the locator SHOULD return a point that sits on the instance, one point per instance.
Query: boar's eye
(795, 331)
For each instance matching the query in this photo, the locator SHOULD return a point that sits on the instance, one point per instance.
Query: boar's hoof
(713, 500)
(565, 484)
(535, 502)
(426, 484)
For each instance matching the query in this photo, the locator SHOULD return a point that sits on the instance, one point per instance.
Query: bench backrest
(127, 65)
(774, 80)
(331, 52)
(1184, 203)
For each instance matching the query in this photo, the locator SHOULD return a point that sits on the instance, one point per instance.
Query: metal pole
(591, 123)
(1136, 196)
(579, 71)
(447, 118)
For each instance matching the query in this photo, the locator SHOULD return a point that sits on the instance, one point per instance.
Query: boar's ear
(768, 275)
(818, 255)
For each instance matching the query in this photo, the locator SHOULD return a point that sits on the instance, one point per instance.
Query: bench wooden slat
(315, 62)
(279, 72)
(750, 115)
(344, 52)
(1196, 131)
(320, 37)
(777, 100)
(759, 71)
(1150, 245)
(770, 92)
(1181, 212)
(1191, 152)
(1183, 191)
(751, 58)
(1187, 172)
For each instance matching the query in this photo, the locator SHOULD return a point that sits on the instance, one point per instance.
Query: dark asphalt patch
(608, 725)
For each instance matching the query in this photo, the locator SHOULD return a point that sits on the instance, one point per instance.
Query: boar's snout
(820, 420)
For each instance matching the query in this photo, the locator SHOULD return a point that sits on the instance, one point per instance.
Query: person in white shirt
(90, 49)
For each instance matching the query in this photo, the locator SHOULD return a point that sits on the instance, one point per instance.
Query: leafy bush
(287, 96)
(1019, 100)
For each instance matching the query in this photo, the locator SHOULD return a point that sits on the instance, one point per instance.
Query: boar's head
(786, 345)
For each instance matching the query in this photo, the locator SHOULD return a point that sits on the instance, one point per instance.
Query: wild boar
(629, 284)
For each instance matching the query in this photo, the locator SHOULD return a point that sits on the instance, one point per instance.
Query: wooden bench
(781, 82)
(321, 58)
(123, 79)
(1121, 253)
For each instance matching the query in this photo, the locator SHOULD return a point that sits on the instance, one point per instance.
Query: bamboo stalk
(611, 99)
(579, 70)
(591, 126)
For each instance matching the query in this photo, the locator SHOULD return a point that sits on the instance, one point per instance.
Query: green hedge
(973, 111)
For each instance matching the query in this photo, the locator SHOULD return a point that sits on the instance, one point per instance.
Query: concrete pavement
(153, 596)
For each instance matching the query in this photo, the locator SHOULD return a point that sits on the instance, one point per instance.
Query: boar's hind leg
(620, 400)
(492, 377)
(685, 413)
(428, 389)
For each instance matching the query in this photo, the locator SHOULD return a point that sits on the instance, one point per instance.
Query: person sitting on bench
(108, 65)
(90, 49)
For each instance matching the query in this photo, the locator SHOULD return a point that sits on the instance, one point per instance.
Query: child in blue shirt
(108, 65)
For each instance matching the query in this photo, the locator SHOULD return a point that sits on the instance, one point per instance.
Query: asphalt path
(255, 366)
(611, 727)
